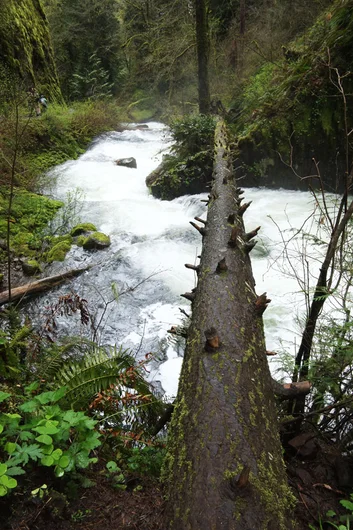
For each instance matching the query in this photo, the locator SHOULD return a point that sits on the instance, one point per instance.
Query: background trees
(86, 39)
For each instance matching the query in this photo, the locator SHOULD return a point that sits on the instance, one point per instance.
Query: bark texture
(224, 467)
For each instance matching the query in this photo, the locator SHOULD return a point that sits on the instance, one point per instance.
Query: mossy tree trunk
(25, 46)
(224, 467)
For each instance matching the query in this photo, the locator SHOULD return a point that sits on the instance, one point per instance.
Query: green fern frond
(96, 372)
(57, 356)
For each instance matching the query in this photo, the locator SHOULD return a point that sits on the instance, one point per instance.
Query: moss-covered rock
(97, 241)
(58, 251)
(188, 169)
(31, 267)
(82, 228)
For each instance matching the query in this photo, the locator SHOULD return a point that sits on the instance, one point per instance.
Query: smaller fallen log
(39, 286)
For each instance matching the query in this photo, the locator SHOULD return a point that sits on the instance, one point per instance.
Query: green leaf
(112, 466)
(14, 471)
(48, 449)
(92, 441)
(3, 490)
(8, 482)
(45, 439)
(45, 397)
(57, 454)
(26, 435)
(1, 428)
(3, 396)
(46, 429)
(60, 393)
(47, 460)
(59, 472)
(32, 451)
(10, 447)
(31, 388)
(82, 460)
(347, 504)
(331, 513)
(29, 406)
(64, 461)
(3, 469)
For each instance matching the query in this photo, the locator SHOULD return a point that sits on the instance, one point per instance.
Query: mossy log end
(224, 468)
(39, 286)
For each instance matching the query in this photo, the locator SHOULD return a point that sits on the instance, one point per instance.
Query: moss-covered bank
(58, 135)
(294, 113)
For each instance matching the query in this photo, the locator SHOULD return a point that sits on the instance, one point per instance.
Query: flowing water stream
(151, 242)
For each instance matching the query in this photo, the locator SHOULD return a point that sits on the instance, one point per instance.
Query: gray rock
(127, 162)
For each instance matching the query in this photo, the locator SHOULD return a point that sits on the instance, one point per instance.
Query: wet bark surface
(224, 467)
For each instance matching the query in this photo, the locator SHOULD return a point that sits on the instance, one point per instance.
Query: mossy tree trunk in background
(202, 42)
(25, 46)
(224, 467)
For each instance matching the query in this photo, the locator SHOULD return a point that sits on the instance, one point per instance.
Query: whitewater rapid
(152, 240)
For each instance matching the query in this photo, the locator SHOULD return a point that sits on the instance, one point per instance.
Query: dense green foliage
(86, 40)
(189, 168)
(35, 430)
(299, 108)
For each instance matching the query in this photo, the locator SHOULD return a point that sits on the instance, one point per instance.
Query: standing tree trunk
(224, 467)
(202, 42)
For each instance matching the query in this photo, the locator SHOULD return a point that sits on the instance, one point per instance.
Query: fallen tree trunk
(224, 467)
(39, 286)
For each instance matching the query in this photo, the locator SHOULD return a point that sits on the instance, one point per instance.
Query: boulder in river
(154, 175)
(127, 162)
(96, 240)
(138, 127)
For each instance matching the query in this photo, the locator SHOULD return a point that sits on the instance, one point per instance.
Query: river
(151, 242)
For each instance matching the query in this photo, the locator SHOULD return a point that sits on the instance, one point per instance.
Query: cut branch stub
(252, 234)
(290, 390)
(198, 228)
(231, 218)
(180, 332)
(243, 479)
(249, 245)
(222, 266)
(200, 220)
(239, 192)
(233, 240)
(189, 296)
(243, 208)
(195, 268)
(212, 339)
(261, 304)
(205, 200)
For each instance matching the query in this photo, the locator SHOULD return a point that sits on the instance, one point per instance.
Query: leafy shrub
(37, 432)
